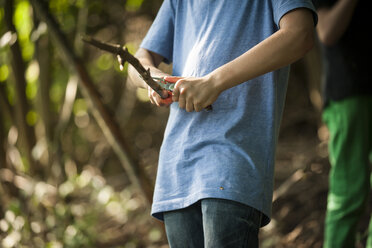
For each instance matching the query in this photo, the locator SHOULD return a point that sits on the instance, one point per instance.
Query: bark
(5, 107)
(43, 56)
(105, 120)
(2, 142)
(26, 132)
(6, 111)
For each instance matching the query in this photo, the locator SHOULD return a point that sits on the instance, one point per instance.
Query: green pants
(350, 126)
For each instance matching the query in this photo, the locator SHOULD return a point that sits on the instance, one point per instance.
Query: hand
(195, 94)
(157, 100)
(153, 96)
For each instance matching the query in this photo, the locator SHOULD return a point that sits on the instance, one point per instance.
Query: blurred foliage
(83, 211)
(83, 197)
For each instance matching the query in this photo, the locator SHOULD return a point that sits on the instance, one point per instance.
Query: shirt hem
(158, 208)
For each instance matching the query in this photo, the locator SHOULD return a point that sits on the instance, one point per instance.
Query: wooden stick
(126, 56)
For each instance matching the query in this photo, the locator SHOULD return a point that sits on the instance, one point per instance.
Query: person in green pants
(347, 113)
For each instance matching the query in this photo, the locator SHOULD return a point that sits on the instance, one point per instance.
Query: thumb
(175, 94)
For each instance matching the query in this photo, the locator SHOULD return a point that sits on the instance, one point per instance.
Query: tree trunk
(43, 54)
(26, 133)
(5, 111)
(2, 142)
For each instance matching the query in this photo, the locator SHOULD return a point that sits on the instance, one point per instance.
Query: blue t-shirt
(229, 152)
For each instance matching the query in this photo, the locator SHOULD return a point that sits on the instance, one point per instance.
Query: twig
(283, 188)
(126, 56)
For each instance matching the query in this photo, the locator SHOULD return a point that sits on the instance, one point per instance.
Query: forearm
(334, 21)
(282, 48)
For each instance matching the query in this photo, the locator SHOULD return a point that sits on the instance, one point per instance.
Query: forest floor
(301, 184)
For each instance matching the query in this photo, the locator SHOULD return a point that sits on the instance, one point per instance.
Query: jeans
(213, 223)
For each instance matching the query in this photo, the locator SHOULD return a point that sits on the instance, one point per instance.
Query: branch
(126, 56)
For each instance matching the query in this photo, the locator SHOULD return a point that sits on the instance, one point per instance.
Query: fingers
(179, 95)
(149, 93)
(185, 102)
(163, 101)
(157, 100)
(176, 91)
(181, 100)
(189, 106)
(198, 107)
(185, 99)
(182, 93)
(187, 92)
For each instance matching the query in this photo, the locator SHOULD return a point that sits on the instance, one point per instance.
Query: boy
(215, 175)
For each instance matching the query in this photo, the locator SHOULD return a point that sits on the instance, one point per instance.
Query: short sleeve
(159, 38)
(282, 7)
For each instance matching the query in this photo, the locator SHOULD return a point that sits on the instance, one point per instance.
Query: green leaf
(133, 5)
(4, 73)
